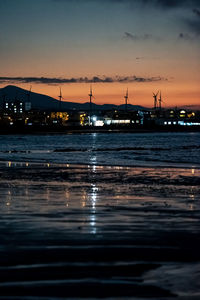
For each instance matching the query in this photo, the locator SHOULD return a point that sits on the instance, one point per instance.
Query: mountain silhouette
(44, 102)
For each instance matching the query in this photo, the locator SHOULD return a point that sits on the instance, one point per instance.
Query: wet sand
(92, 232)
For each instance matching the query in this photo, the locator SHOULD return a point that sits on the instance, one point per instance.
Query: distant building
(175, 117)
(58, 117)
(117, 118)
(16, 107)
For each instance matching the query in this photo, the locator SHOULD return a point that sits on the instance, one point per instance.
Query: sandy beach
(71, 231)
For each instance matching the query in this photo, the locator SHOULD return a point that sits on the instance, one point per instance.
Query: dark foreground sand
(90, 232)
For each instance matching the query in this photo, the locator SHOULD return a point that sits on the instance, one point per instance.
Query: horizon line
(147, 106)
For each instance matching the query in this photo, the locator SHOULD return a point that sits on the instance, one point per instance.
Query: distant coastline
(30, 113)
(84, 130)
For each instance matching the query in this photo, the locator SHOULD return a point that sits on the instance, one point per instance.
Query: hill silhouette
(44, 102)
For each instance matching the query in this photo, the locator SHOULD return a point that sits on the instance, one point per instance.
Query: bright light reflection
(94, 196)
(93, 199)
(67, 197)
(48, 193)
(8, 198)
(191, 207)
(93, 157)
(83, 198)
(93, 224)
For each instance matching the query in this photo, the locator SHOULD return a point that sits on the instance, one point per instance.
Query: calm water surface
(125, 149)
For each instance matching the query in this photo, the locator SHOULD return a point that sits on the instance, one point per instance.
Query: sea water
(115, 149)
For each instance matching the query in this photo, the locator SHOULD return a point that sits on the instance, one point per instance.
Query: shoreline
(77, 130)
(18, 163)
(144, 179)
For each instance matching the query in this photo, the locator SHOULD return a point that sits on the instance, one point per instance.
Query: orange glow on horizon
(173, 93)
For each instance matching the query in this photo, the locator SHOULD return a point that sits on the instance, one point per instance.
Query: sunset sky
(142, 45)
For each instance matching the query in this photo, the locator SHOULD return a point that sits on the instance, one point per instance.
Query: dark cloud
(95, 79)
(166, 4)
(193, 24)
(173, 3)
(196, 12)
(139, 79)
(186, 36)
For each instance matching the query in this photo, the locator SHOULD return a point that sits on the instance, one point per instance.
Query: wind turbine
(126, 100)
(91, 96)
(155, 100)
(60, 99)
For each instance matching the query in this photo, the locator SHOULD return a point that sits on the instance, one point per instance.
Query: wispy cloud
(143, 37)
(140, 57)
(134, 37)
(94, 79)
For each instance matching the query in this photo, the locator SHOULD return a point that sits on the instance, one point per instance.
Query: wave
(111, 149)
(125, 149)
(89, 150)
(101, 149)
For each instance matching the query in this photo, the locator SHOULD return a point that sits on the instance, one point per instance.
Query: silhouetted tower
(160, 102)
(90, 113)
(155, 100)
(60, 99)
(126, 100)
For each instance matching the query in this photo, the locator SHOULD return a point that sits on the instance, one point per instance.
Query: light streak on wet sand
(90, 231)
